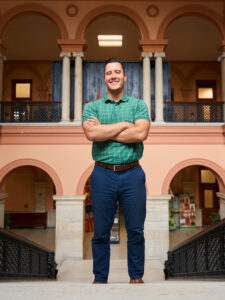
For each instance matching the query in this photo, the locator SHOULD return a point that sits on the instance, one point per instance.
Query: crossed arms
(123, 132)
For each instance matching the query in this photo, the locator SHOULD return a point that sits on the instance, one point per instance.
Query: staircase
(75, 277)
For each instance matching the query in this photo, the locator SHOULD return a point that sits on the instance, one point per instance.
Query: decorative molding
(159, 198)
(101, 10)
(221, 196)
(3, 196)
(69, 198)
(191, 10)
(152, 11)
(83, 179)
(35, 163)
(72, 45)
(71, 10)
(153, 45)
(218, 172)
(69, 134)
(26, 8)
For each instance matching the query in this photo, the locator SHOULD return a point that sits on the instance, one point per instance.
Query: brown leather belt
(118, 168)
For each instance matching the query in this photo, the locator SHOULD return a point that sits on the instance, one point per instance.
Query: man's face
(114, 77)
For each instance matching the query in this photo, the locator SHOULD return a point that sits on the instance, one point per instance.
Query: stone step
(74, 282)
(169, 290)
(81, 271)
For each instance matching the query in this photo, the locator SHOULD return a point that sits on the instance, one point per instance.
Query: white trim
(69, 198)
(159, 198)
(3, 196)
(221, 196)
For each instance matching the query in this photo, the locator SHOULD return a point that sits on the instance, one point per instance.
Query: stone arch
(83, 179)
(35, 163)
(14, 12)
(112, 9)
(188, 10)
(216, 169)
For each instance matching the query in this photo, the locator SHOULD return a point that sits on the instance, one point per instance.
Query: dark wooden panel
(29, 219)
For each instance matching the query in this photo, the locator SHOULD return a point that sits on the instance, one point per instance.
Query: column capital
(159, 198)
(65, 54)
(159, 54)
(3, 196)
(221, 196)
(78, 54)
(69, 198)
(146, 54)
(2, 57)
(221, 57)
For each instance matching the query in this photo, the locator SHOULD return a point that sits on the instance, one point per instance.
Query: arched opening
(111, 23)
(29, 206)
(192, 50)
(31, 40)
(194, 204)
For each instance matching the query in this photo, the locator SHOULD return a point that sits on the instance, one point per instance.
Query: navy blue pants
(128, 188)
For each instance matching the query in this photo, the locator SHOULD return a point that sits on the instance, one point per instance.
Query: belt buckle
(114, 168)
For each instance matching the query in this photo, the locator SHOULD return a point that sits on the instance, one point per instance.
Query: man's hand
(137, 133)
(93, 121)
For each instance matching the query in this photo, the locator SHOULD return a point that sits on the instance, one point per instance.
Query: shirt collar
(124, 98)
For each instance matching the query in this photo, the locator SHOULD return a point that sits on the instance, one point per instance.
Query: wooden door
(209, 202)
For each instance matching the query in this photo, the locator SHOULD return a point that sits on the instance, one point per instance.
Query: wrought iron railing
(202, 112)
(203, 255)
(13, 112)
(21, 258)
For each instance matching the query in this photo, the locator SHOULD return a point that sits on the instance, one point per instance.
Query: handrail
(202, 255)
(30, 111)
(201, 111)
(21, 258)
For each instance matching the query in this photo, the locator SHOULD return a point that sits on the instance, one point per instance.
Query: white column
(78, 87)
(2, 209)
(147, 79)
(159, 87)
(222, 205)
(69, 227)
(221, 58)
(65, 87)
(157, 227)
(156, 234)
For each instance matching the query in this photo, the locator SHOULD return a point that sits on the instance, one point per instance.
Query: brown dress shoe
(96, 282)
(136, 280)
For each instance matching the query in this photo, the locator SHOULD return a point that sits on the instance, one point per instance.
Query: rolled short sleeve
(88, 111)
(141, 111)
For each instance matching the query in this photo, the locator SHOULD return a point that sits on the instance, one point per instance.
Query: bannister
(21, 258)
(13, 112)
(202, 112)
(203, 255)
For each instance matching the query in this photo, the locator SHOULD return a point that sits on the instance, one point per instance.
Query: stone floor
(164, 290)
(46, 238)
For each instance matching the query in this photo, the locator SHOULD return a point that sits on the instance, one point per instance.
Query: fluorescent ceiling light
(110, 40)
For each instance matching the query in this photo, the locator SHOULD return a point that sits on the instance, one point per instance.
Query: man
(117, 124)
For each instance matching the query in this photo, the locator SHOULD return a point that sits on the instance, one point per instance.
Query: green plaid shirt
(109, 112)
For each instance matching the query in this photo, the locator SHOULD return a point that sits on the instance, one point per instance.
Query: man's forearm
(104, 132)
(133, 135)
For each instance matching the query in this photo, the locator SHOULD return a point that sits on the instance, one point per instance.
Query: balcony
(48, 112)
(193, 112)
(30, 112)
